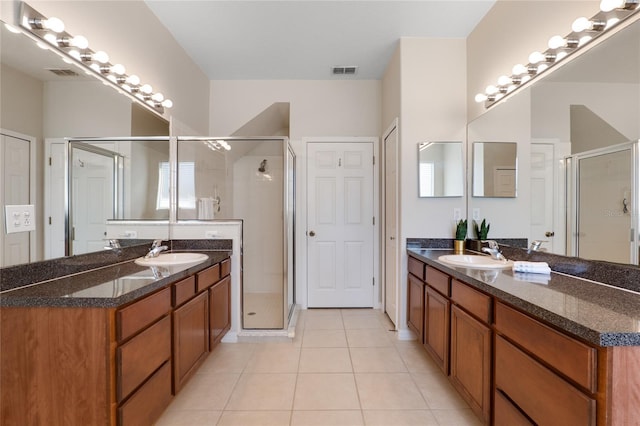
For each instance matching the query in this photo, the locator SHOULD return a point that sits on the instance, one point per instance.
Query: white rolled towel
(532, 267)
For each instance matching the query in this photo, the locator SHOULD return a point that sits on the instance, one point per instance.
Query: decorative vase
(458, 246)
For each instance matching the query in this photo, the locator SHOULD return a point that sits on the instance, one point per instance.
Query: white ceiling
(304, 39)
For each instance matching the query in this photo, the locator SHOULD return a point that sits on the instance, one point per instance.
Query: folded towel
(532, 267)
(531, 278)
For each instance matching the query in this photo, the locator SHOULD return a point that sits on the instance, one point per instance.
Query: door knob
(312, 233)
(549, 234)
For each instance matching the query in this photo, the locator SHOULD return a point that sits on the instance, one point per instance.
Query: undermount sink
(475, 261)
(170, 259)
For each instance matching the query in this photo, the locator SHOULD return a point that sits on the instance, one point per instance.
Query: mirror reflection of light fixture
(49, 33)
(584, 30)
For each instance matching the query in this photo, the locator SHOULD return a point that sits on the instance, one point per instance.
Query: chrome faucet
(493, 250)
(114, 245)
(535, 245)
(156, 248)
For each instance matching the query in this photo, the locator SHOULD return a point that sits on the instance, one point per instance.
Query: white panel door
(391, 226)
(340, 225)
(542, 195)
(15, 160)
(54, 236)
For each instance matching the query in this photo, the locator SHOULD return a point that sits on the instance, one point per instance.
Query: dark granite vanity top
(601, 314)
(105, 284)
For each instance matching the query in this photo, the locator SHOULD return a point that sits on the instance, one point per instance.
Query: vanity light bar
(75, 49)
(584, 30)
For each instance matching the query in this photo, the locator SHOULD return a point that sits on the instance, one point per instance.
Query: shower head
(263, 166)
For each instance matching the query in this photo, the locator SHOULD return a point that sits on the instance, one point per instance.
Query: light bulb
(101, 56)
(53, 24)
(581, 24)
(525, 78)
(519, 69)
(126, 87)
(12, 29)
(167, 103)
(560, 55)
(542, 67)
(118, 69)
(584, 40)
(42, 45)
(50, 38)
(491, 89)
(536, 57)
(556, 42)
(75, 54)
(80, 42)
(609, 5)
(504, 80)
(95, 67)
(146, 89)
(158, 97)
(133, 80)
(480, 97)
(611, 22)
(112, 78)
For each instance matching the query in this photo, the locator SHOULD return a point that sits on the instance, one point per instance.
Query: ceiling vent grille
(63, 72)
(350, 70)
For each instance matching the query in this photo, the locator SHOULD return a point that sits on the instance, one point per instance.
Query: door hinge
(374, 160)
(374, 281)
(49, 160)
(49, 220)
(374, 221)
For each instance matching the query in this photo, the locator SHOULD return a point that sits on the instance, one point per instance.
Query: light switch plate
(20, 218)
(476, 214)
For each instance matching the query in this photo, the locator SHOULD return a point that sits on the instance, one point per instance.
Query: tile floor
(344, 367)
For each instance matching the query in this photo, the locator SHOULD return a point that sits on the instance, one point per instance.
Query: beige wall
(132, 35)
(317, 108)
(509, 33)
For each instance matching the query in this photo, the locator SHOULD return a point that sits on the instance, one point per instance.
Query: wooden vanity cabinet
(219, 311)
(190, 339)
(437, 311)
(415, 306)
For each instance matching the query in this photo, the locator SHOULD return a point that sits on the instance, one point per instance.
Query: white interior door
(340, 234)
(542, 195)
(92, 190)
(391, 225)
(15, 158)
(54, 209)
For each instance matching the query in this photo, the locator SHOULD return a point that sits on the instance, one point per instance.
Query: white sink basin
(475, 261)
(170, 259)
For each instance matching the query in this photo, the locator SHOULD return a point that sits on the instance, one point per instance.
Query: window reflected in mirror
(440, 169)
(495, 169)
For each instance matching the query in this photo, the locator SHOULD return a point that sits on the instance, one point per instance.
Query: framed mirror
(440, 169)
(495, 169)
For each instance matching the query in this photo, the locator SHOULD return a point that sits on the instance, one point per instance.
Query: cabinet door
(219, 310)
(190, 338)
(436, 327)
(471, 361)
(415, 314)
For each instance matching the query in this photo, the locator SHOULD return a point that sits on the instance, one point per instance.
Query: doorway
(391, 224)
(340, 224)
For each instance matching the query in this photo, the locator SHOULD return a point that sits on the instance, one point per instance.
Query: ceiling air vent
(350, 70)
(62, 72)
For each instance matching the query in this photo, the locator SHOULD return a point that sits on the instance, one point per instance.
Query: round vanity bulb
(519, 69)
(536, 57)
(491, 90)
(133, 80)
(75, 54)
(560, 55)
(504, 80)
(12, 29)
(80, 42)
(542, 67)
(101, 56)
(95, 67)
(118, 69)
(158, 97)
(611, 22)
(481, 97)
(609, 5)
(146, 89)
(51, 38)
(581, 24)
(584, 40)
(42, 46)
(53, 24)
(556, 42)
(167, 103)
(112, 78)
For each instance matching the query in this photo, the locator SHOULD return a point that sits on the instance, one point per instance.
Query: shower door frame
(573, 197)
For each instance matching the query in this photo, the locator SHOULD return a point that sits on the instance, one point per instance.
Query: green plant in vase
(482, 231)
(461, 235)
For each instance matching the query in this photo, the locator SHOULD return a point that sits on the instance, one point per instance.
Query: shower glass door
(605, 188)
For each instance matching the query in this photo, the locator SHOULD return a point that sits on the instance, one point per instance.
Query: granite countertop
(598, 313)
(105, 287)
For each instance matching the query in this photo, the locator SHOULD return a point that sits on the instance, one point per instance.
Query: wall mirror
(47, 100)
(583, 109)
(495, 166)
(440, 169)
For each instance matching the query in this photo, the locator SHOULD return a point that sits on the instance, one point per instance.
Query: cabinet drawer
(225, 267)
(138, 315)
(471, 300)
(438, 280)
(570, 357)
(542, 395)
(142, 355)
(184, 290)
(506, 414)
(208, 277)
(416, 267)
(147, 404)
